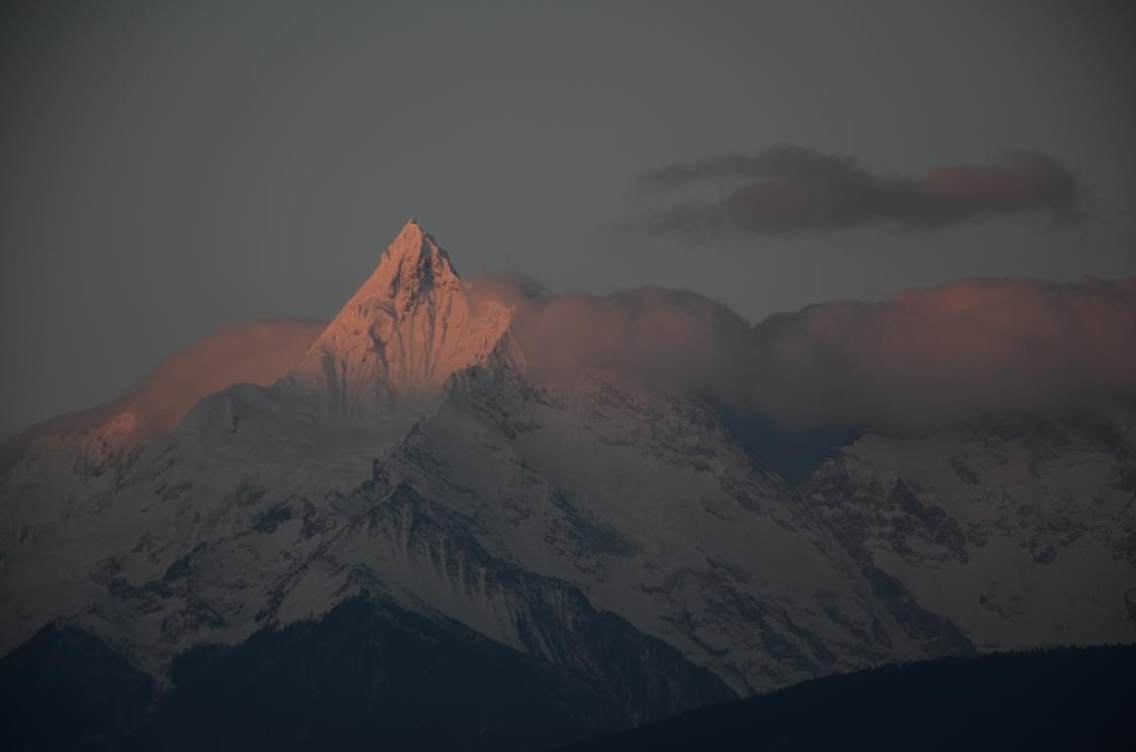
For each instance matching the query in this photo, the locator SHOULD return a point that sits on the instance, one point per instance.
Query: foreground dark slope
(1066, 698)
(368, 675)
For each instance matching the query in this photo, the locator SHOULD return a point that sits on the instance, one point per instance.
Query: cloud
(789, 189)
(923, 358)
(950, 354)
(666, 338)
(258, 352)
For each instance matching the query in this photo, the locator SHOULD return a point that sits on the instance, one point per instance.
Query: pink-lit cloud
(955, 352)
(258, 352)
(923, 357)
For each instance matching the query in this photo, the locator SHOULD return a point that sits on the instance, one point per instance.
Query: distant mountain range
(410, 524)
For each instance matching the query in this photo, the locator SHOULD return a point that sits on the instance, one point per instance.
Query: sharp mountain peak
(412, 324)
(412, 265)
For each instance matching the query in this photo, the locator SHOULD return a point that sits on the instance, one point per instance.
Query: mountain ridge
(413, 454)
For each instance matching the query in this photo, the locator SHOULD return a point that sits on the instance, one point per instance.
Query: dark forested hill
(367, 676)
(1068, 699)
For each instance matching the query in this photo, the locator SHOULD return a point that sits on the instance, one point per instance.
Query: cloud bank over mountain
(788, 189)
(950, 353)
(927, 356)
(921, 359)
(258, 352)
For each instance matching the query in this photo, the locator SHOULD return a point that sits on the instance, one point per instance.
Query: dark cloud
(790, 189)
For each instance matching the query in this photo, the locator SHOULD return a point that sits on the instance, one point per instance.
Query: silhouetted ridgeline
(369, 675)
(1062, 699)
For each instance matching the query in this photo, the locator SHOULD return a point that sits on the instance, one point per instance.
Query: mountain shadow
(791, 453)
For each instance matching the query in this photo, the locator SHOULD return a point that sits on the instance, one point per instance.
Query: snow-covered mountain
(1021, 533)
(411, 325)
(411, 455)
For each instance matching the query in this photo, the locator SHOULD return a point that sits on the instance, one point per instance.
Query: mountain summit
(412, 324)
(411, 267)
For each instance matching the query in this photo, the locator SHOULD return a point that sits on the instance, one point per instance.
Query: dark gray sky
(169, 168)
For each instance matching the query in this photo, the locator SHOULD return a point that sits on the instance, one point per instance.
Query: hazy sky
(169, 168)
